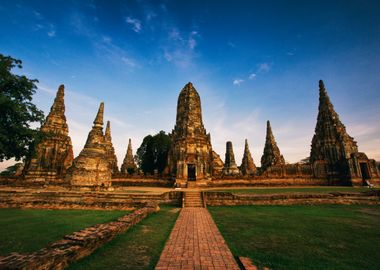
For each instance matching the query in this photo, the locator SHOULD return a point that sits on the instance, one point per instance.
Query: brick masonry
(196, 243)
(75, 246)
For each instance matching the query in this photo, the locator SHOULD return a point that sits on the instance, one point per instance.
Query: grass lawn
(303, 237)
(294, 190)
(27, 230)
(138, 248)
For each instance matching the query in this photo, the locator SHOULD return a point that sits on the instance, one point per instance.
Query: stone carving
(271, 155)
(91, 167)
(129, 165)
(190, 156)
(54, 153)
(247, 167)
(230, 168)
(331, 145)
(112, 159)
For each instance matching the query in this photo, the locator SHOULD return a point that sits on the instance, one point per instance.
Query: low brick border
(227, 198)
(75, 246)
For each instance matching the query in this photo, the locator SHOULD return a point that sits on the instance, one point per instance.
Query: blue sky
(250, 61)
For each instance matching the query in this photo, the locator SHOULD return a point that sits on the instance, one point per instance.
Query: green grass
(27, 230)
(303, 237)
(138, 248)
(294, 190)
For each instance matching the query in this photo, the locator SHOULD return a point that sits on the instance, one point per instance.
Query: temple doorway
(191, 176)
(364, 171)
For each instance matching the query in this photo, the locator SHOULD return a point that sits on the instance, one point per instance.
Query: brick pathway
(196, 243)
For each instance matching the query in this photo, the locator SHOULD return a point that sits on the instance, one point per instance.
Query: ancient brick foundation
(227, 198)
(75, 246)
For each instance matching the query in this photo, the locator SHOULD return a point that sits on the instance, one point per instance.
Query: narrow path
(196, 243)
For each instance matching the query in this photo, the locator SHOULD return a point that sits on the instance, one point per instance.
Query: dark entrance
(191, 172)
(364, 171)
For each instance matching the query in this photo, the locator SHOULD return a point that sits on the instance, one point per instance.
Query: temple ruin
(92, 167)
(334, 154)
(334, 157)
(129, 165)
(53, 155)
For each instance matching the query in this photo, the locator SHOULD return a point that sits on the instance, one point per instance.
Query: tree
(17, 111)
(153, 153)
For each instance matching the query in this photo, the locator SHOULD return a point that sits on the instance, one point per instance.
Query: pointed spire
(98, 122)
(129, 165)
(59, 105)
(107, 133)
(330, 133)
(271, 155)
(247, 167)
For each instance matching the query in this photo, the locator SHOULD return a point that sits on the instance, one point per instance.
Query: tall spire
(129, 165)
(271, 155)
(99, 116)
(54, 153)
(247, 167)
(331, 141)
(107, 133)
(230, 167)
(92, 166)
(111, 156)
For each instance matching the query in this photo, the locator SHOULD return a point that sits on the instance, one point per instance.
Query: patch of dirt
(145, 229)
(175, 210)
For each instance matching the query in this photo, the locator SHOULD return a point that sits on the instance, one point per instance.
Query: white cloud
(135, 23)
(128, 61)
(264, 67)
(252, 76)
(237, 81)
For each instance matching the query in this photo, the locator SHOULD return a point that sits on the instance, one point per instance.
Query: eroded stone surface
(112, 159)
(91, 167)
(190, 156)
(129, 165)
(247, 167)
(230, 167)
(54, 154)
(271, 155)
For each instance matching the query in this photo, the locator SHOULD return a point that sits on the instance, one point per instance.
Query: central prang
(191, 155)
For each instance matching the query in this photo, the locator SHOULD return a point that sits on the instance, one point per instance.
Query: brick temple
(334, 157)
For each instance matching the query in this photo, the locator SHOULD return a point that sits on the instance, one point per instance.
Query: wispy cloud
(264, 67)
(135, 23)
(252, 76)
(237, 81)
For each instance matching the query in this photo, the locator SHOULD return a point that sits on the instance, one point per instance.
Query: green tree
(153, 153)
(17, 111)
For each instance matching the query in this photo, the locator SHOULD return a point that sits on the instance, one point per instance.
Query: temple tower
(190, 157)
(230, 168)
(112, 159)
(129, 165)
(271, 155)
(91, 167)
(247, 167)
(54, 153)
(334, 149)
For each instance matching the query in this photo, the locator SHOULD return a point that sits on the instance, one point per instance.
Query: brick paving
(196, 243)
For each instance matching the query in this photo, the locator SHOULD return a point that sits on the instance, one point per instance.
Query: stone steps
(193, 199)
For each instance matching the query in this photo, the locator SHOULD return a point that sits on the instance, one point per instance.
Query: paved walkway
(196, 243)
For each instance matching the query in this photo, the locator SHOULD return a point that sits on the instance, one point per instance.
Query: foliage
(303, 236)
(17, 111)
(153, 153)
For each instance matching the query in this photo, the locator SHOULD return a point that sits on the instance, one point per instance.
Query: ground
(138, 248)
(303, 237)
(27, 230)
